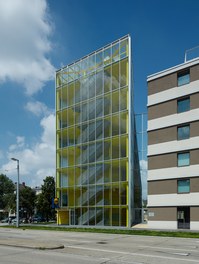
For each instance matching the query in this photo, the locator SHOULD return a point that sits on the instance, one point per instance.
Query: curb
(36, 245)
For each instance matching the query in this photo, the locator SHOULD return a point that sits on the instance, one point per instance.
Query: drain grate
(102, 242)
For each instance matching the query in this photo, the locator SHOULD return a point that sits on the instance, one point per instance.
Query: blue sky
(38, 37)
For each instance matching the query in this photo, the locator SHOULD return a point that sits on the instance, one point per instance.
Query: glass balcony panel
(123, 195)
(123, 147)
(77, 70)
(123, 48)
(71, 197)
(71, 94)
(99, 59)
(84, 196)
(77, 91)
(91, 62)
(70, 117)
(123, 99)
(123, 123)
(64, 180)
(99, 107)
(107, 150)
(64, 198)
(99, 131)
(84, 112)
(58, 79)
(123, 72)
(123, 170)
(115, 148)
(63, 97)
(107, 104)
(99, 82)
(71, 156)
(99, 173)
(99, 151)
(115, 171)
(115, 125)
(71, 73)
(92, 193)
(84, 89)
(107, 127)
(92, 214)
(115, 102)
(91, 109)
(107, 79)
(84, 67)
(115, 76)
(115, 217)
(71, 177)
(107, 172)
(92, 174)
(77, 176)
(107, 195)
(123, 213)
(71, 133)
(91, 85)
(115, 52)
(107, 56)
(107, 217)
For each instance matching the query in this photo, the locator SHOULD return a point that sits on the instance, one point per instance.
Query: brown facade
(170, 107)
(162, 84)
(170, 160)
(179, 214)
(170, 214)
(170, 81)
(161, 110)
(170, 186)
(162, 187)
(162, 135)
(162, 161)
(194, 213)
(170, 133)
(194, 73)
(162, 214)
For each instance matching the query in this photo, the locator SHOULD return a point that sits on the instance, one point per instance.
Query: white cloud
(25, 29)
(19, 144)
(143, 169)
(37, 161)
(37, 108)
(1, 154)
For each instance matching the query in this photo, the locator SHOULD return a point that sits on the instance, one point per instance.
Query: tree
(7, 195)
(27, 201)
(44, 200)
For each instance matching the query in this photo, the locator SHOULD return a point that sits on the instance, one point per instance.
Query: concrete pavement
(26, 242)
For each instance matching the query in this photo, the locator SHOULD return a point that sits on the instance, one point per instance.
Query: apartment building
(97, 167)
(173, 147)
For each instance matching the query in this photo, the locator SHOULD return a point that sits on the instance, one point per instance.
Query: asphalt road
(96, 248)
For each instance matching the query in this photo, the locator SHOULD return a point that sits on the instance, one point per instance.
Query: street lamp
(17, 199)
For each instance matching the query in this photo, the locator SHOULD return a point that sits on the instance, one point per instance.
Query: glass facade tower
(96, 180)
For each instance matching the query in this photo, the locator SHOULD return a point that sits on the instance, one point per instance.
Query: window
(184, 186)
(183, 78)
(183, 105)
(183, 132)
(183, 159)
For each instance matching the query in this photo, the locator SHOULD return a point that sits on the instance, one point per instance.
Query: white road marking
(164, 248)
(133, 254)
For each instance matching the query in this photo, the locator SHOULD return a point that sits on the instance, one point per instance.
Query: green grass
(113, 231)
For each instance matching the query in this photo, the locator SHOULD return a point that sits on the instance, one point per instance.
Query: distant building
(173, 147)
(37, 190)
(98, 180)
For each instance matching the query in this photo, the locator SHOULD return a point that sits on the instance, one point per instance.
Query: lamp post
(17, 195)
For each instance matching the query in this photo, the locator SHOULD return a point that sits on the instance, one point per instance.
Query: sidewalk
(28, 243)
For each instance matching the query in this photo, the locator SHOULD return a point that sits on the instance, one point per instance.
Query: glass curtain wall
(92, 124)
